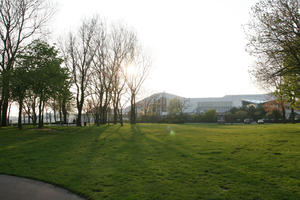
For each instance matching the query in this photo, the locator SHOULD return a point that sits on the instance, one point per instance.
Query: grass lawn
(145, 161)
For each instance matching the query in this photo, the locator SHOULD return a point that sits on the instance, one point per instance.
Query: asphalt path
(16, 188)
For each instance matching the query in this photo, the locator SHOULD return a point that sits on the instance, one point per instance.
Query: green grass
(146, 162)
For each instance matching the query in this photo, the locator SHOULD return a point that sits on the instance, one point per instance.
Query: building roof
(222, 103)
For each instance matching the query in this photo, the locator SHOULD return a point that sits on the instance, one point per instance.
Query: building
(159, 102)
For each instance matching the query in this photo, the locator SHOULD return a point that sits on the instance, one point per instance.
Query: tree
(176, 106)
(274, 34)
(148, 105)
(122, 44)
(30, 104)
(264, 75)
(136, 71)
(274, 38)
(46, 76)
(241, 115)
(290, 88)
(65, 99)
(19, 21)
(210, 116)
(79, 52)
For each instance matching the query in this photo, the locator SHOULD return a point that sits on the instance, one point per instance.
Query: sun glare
(131, 69)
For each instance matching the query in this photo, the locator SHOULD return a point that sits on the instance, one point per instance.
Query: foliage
(274, 38)
(246, 112)
(44, 77)
(274, 115)
(209, 116)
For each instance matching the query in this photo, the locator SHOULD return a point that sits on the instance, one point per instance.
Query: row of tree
(274, 39)
(38, 79)
(20, 21)
(97, 68)
(105, 64)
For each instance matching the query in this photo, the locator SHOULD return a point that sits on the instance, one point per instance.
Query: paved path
(15, 188)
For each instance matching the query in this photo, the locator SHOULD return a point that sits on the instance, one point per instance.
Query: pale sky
(197, 47)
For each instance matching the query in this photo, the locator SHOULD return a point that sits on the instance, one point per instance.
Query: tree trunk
(1, 103)
(97, 118)
(283, 112)
(60, 115)
(43, 106)
(4, 111)
(5, 96)
(121, 116)
(34, 116)
(40, 114)
(54, 114)
(78, 121)
(64, 111)
(292, 115)
(115, 115)
(104, 115)
(20, 115)
(8, 115)
(132, 110)
(108, 112)
(28, 116)
(79, 108)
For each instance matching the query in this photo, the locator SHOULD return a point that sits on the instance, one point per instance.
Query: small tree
(210, 116)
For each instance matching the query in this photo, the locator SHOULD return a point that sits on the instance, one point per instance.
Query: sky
(197, 47)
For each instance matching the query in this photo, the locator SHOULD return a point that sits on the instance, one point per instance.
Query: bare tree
(148, 106)
(122, 44)
(136, 71)
(19, 21)
(114, 49)
(177, 105)
(100, 88)
(79, 54)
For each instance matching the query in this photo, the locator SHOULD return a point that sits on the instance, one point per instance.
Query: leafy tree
(65, 99)
(230, 117)
(210, 116)
(290, 89)
(274, 38)
(274, 115)
(46, 76)
(241, 115)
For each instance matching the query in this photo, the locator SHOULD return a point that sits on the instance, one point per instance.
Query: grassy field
(152, 161)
